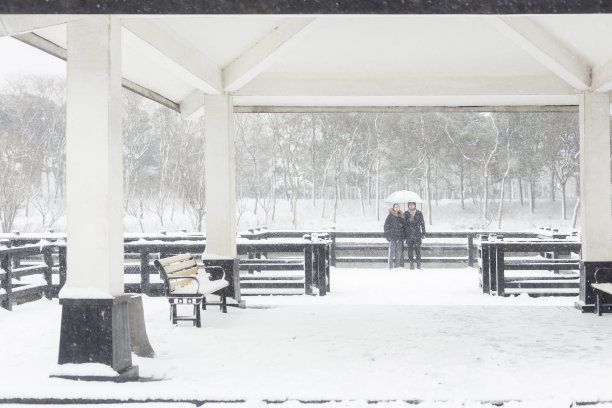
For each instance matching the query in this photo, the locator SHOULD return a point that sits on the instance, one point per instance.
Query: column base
(129, 374)
(586, 302)
(96, 331)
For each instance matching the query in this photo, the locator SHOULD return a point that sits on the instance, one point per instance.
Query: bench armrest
(600, 273)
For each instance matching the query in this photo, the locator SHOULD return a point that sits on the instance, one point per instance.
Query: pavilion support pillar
(595, 192)
(220, 175)
(95, 319)
(220, 169)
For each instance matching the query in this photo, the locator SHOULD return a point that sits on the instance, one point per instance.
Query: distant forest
(483, 158)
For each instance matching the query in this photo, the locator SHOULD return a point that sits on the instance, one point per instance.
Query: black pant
(415, 246)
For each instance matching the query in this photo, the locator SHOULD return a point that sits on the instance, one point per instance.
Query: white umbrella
(403, 197)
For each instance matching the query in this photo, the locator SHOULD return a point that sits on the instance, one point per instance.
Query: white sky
(18, 58)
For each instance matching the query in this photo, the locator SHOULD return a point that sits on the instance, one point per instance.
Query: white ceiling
(365, 60)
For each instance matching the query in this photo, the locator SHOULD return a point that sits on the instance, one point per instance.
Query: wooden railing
(13, 286)
(553, 255)
(313, 255)
(349, 247)
(261, 249)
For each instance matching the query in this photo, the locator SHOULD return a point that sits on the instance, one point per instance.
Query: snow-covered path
(380, 335)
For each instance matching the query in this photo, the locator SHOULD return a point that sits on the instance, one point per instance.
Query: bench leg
(223, 302)
(173, 313)
(598, 304)
(197, 322)
(204, 303)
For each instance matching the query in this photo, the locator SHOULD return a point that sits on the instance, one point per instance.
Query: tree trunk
(336, 196)
(273, 191)
(436, 192)
(428, 190)
(552, 186)
(520, 185)
(563, 201)
(575, 216)
(462, 187)
(531, 196)
(314, 173)
(256, 188)
(485, 194)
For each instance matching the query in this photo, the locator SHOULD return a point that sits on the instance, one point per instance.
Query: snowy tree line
(467, 156)
(473, 157)
(163, 156)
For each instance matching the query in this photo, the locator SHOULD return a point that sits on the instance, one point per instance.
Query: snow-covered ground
(403, 338)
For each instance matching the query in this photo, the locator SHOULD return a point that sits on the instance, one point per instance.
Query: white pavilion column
(94, 156)
(220, 175)
(595, 192)
(94, 314)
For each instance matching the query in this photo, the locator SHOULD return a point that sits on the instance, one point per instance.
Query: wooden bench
(187, 284)
(603, 290)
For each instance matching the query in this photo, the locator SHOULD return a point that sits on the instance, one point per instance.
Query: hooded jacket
(395, 225)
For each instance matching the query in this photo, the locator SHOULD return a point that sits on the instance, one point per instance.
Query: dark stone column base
(586, 302)
(97, 331)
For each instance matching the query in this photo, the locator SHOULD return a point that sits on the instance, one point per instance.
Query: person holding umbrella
(395, 229)
(415, 232)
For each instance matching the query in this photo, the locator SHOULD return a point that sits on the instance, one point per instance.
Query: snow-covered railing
(356, 247)
(536, 265)
(24, 281)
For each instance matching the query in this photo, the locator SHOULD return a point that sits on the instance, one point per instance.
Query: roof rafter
(51, 48)
(189, 62)
(256, 59)
(18, 24)
(545, 48)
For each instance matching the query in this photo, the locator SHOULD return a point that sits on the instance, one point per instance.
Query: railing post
(48, 256)
(145, 286)
(15, 260)
(332, 249)
(492, 264)
(484, 252)
(321, 269)
(5, 263)
(499, 267)
(327, 261)
(62, 266)
(307, 266)
(470, 248)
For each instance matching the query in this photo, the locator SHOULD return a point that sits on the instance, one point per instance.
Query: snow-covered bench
(187, 284)
(603, 290)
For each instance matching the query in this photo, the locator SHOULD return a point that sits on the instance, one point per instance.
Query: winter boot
(418, 265)
(411, 265)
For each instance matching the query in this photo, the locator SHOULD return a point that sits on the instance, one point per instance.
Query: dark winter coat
(395, 225)
(415, 229)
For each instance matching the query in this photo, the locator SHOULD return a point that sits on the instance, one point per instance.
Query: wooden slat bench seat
(603, 290)
(187, 284)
